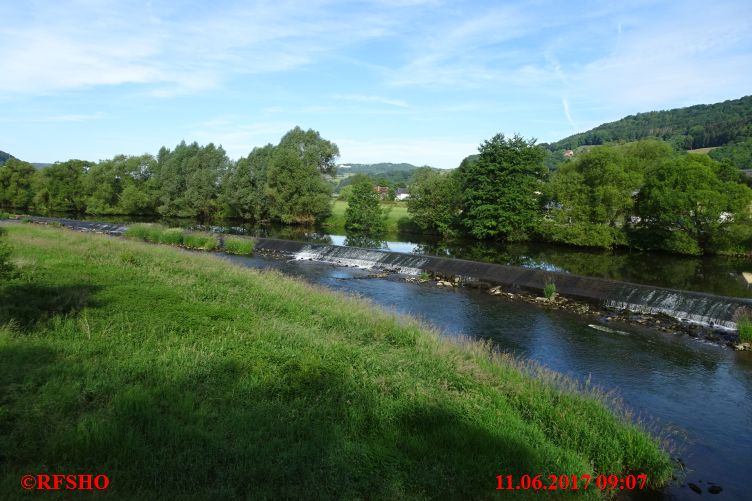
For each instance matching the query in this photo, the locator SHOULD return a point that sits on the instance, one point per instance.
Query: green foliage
(744, 325)
(16, 178)
(295, 188)
(363, 214)
(60, 187)
(435, 200)
(4, 215)
(685, 205)
(200, 241)
(549, 290)
(171, 236)
(499, 190)
(134, 359)
(146, 232)
(738, 153)
(187, 180)
(7, 269)
(244, 185)
(238, 245)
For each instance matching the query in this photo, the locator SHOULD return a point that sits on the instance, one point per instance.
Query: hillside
(4, 157)
(379, 168)
(699, 126)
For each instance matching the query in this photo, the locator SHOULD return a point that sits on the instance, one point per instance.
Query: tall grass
(180, 375)
(744, 325)
(238, 245)
(155, 233)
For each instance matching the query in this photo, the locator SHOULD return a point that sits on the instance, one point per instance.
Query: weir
(708, 310)
(699, 308)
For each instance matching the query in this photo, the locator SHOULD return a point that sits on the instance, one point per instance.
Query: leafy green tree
(16, 179)
(685, 207)
(59, 187)
(244, 185)
(435, 200)
(500, 190)
(295, 187)
(363, 214)
(188, 178)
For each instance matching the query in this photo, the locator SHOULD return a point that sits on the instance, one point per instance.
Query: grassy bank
(179, 375)
(396, 212)
(179, 237)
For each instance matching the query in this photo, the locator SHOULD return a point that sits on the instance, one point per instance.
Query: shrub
(4, 215)
(6, 267)
(238, 245)
(744, 325)
(549, 290)
(172, 236)
(146, 232)
(200, 241)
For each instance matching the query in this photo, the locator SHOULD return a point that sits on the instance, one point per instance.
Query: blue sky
(387, 80)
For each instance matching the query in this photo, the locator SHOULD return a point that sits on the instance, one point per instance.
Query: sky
(418, 81)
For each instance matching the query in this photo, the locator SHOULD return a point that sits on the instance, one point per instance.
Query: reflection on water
(713, 274)
(703, 391)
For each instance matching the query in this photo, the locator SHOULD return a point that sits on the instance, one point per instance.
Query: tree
(16, 179)
(685, 207)
(363, 214)
(435, 200)
(295, 187)
(500, 189)
(244, 185)
(59, 187)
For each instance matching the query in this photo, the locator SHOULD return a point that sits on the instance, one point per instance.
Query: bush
(172, 236)
(6, 267)
(4, 215)
(549, 290)
(200, 241)
(145, 232)
(744, 325)
(238, 245)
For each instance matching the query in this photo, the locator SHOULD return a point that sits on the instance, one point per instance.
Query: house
(568, 154)
(401, 194)
(383, 191)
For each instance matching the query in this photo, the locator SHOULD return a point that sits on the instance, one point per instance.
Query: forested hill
(699, 126)
(379, 168)
(4, 157)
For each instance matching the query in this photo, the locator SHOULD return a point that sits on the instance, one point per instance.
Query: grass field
(396, 211)
(182, 376)
(702, 151)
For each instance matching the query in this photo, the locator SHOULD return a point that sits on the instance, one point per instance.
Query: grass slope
(181, 376)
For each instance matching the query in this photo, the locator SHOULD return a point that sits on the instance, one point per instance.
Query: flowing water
(700, 391)
(712, 274)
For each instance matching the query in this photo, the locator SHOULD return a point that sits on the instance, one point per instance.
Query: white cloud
(359, 98)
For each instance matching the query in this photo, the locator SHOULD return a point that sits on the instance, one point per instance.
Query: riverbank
(178, 374)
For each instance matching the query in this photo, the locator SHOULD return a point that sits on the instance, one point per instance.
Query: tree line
(643, 195)
(287, 182)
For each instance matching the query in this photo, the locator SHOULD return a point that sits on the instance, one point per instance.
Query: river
(702, 393)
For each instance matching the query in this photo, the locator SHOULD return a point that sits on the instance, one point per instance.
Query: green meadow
(182, 376)
(394, 211)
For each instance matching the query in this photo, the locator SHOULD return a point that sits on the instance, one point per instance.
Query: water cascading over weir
(708, 310)
(693, 307)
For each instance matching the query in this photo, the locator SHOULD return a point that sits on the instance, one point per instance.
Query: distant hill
(720, 130)
(380, 168)
(4, 157)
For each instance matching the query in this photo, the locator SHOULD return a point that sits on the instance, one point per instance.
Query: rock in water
(715, 489)
(695, 488)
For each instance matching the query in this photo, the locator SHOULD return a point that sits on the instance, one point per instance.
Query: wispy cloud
(359, 98)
